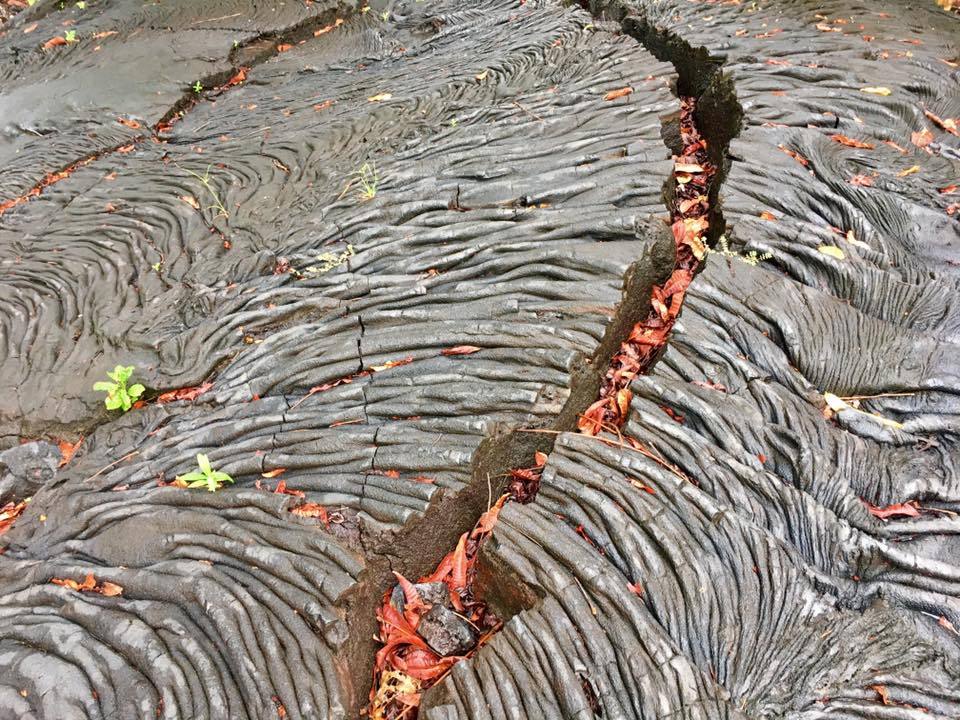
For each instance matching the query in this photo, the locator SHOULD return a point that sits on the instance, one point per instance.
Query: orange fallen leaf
(767, 216)
(10, 512)
(283, 47)
(922, 139)
(461, 350)
(949, 125)
(795, 155)
(323, 106)
(129, 123)
(191, 201)
(30, 28)
(187, 393)
(949, 189)
(105, 33)
(54, 42)
(110, 589)
(614, 94)
(312, 510)
(861, 180)
(273, 473)
(68, 450)
(636, 589)
(892, 511)
(850, 142)
(540, 458)
(322, 31)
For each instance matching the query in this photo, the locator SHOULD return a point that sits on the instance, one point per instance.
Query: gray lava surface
(394, 241)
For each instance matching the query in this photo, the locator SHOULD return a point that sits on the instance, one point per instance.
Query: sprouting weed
(198, 87)
(751, 258)
(119, 396)
(70, 36)
(206, 477)
(205, 181)
(368, 180)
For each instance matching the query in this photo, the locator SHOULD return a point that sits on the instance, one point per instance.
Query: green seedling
(206, 477)
(751, 258)
(119, 396)
(70, 36)
(205, 181)
(197, 87)
(81, 5)
(366, 177)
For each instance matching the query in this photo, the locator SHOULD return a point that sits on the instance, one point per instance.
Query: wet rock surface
(393, 239)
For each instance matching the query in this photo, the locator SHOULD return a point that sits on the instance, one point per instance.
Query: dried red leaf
(795, 155)
(892, 511)
(133, 124)
(67, 451)
(312, 510)
(636, 589)
(187, 393)
(922, 139)
(850, 142)
(461, 350)
(882, 691)
(54, 42)
(10, 512)
(614, 94)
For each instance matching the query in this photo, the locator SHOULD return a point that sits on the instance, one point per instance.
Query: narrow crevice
(709, 119)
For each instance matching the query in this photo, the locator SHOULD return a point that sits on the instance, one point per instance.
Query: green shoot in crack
(205, 181)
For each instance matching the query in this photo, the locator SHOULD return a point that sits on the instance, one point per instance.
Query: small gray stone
(26, 468)
(446, 632)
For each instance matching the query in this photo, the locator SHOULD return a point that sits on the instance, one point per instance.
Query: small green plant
(197, 87)
(119, 396)
(206, 477)
(205, 181)
(70, 36)
(368, 180)
(328, 261)
(751, 258)
(82, 5)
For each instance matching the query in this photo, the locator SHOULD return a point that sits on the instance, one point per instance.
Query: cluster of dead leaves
(525, 482)
(90, 584)
(406, 665)
(10, 512)
(693, 173)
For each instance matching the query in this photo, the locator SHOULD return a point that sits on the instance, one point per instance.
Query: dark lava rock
(431, 594)
(446, 632)
(26, 468)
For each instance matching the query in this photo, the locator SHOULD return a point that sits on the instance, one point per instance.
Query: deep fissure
(406, 665)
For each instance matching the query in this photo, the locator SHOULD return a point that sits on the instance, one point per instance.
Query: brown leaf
(283, 47)
(614, 94)
(328, 28)
(795, 155)
(922, 139)
(273, 473)
(768, 216)
(461, 350)
(949, 125)
(68, 450)
(187, 393)
(850, 142)
(312, 510)
(54, 42)
(540, 458)
(861, 180)
(133, 124)
(30, 28)
(110, 589)
(105, 33)
(191, 201)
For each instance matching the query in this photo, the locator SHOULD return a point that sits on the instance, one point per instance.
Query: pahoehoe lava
(384, 256)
